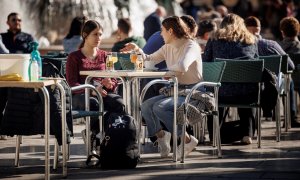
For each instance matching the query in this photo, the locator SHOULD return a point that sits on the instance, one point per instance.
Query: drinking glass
(109, 63)
(133, 57)
(114, 57)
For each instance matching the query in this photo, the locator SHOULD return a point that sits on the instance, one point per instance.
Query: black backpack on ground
(119, 147)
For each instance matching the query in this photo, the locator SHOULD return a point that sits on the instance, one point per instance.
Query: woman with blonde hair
(233, 41)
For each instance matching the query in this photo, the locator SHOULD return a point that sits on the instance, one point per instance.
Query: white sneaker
(246, 140)
(164, 144)
(188, 148)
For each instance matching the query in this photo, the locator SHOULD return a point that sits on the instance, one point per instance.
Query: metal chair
(86, 114)
(296, 73)
(286, 91)
(273, 63)
(244, 71)
(212, 75)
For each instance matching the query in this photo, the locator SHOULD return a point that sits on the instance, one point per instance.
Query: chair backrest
(242, 71)
(59, 62)
(284, 64)
(296, 73)
(273, 63)
(213, 71)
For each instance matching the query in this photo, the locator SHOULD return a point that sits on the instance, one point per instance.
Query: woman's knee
(158, 109)
(149, 103)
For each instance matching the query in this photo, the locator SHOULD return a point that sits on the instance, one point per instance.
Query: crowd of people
(176, 43)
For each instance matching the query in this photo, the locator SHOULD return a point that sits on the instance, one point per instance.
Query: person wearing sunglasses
(14, 39)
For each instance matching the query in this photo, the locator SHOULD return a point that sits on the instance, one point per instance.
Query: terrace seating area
(275, 160)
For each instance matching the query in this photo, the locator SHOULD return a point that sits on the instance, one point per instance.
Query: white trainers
(164, 144)
(188, 148)
(246, 140)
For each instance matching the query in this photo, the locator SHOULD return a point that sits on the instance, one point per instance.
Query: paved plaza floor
(275, 160)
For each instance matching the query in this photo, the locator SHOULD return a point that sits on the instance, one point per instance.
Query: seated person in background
(205, 28)
(182, 55)
(233, 41)
(152, 22)
(268, 47)
(289, 28)
(124, 35)
(73, 39)
(90, 57)
(14, 39)
(154, 43)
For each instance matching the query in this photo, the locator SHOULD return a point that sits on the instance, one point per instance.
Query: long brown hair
(180, 29)
(87, 28)
(233, 28)
(191, 23)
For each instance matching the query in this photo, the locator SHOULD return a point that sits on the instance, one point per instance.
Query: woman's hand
(130, 47)
(108, 83)
(101, 91)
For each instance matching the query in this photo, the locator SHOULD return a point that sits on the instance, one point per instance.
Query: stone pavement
(275, 160)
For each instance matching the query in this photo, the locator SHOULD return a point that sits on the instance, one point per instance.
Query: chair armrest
(196, 86)
(89, 86)
(149, 84)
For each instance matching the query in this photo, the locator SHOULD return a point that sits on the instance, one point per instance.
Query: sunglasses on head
(15, 20)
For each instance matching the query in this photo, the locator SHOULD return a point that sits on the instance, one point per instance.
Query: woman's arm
(157, 56)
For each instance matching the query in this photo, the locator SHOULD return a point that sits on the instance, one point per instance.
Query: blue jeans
(160, 109)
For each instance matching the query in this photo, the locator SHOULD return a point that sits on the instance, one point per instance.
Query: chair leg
(56, 155)
(17, 154)
(202, 130)
(287, 119)
(217, 135)
(277, 119)
(182, 143)
(288, 108)
(144, 134)
(68, 151)
(258, 128)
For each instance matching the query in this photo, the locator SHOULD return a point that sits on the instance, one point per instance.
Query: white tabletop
(128, 73)
(28, 84)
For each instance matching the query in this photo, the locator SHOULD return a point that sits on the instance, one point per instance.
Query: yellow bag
(11, 77)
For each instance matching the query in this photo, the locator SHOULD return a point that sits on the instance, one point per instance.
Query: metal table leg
(63, 126)
(47, 132)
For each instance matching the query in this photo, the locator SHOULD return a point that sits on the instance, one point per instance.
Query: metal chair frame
(273, 63)
(244, 71)
(215, 83)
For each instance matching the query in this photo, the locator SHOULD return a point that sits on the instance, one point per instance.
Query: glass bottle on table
(109, 65)
(114, 58)
(139, 64)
